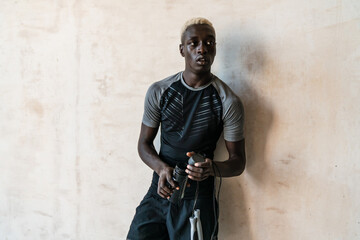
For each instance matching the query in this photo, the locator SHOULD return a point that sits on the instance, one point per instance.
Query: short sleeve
(233, 119)
(151, 117)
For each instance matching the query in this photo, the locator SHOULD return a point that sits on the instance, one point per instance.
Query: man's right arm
(151, 158)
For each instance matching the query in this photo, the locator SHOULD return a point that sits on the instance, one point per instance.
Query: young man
(193, 108)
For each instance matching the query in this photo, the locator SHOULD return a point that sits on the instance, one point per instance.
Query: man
(193, 108)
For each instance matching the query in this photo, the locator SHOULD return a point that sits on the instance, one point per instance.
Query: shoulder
(233, 112)
(162, 85)
(224, 91)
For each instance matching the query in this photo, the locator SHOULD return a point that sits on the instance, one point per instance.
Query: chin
(204, 70)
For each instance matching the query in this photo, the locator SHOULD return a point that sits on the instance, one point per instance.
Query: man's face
(198, 47)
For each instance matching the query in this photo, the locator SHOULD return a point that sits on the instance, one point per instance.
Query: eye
(192, 43)
(210, 43)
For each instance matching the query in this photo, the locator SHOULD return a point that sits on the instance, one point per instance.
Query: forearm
(235, 165)
(150, 157)
(228, 168)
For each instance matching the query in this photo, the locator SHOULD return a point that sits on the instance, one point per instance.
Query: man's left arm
(234, 166)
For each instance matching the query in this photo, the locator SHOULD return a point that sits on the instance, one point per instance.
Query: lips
(202, 60)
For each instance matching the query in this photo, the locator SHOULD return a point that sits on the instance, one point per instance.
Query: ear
(181, 49)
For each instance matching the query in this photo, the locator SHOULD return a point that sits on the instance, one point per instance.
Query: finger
(172, 183)
(164, 194)
(193, 169)
(193, 174)
(208, 162)
(204, 169)
(162, 187)
(202, 164)
(161, 193)
(197, 178)
(167, 190)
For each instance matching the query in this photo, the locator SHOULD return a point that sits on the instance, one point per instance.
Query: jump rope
(196, 227)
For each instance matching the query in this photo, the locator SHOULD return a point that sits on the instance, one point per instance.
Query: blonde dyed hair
(195, 21)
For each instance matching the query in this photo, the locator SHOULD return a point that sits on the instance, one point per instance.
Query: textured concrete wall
(73, 75)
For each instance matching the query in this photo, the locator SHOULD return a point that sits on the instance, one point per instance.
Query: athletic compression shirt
(192, 119)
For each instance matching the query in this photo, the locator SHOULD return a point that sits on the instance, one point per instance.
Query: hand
(165, 179)
(201, 170)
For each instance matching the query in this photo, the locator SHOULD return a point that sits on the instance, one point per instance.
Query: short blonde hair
(195, 21)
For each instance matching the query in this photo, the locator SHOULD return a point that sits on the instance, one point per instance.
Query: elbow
(144, 146)
(240, 167)
(140, 147)
(239, 171)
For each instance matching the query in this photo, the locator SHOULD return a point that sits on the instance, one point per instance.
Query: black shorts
(158, 219)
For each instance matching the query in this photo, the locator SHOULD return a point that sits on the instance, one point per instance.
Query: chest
(190, 112)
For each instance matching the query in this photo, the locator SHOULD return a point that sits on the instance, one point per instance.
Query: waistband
(206, 187)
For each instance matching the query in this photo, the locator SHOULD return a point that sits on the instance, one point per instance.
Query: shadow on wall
(242, 60)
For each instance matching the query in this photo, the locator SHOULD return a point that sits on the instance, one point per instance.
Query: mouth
(202, 60)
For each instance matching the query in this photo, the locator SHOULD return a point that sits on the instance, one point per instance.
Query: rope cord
(196, 197)
(216, 213)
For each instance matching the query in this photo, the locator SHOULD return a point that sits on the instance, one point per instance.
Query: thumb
(189, 154)
(170, 181)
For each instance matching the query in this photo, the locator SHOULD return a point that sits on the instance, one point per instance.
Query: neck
(196, 80)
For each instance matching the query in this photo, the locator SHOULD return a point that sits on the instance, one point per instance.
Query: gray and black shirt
(192, 119)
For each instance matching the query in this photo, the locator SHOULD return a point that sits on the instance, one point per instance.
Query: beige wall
(73, 79)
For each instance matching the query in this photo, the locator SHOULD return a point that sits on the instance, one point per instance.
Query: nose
(201, 48)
